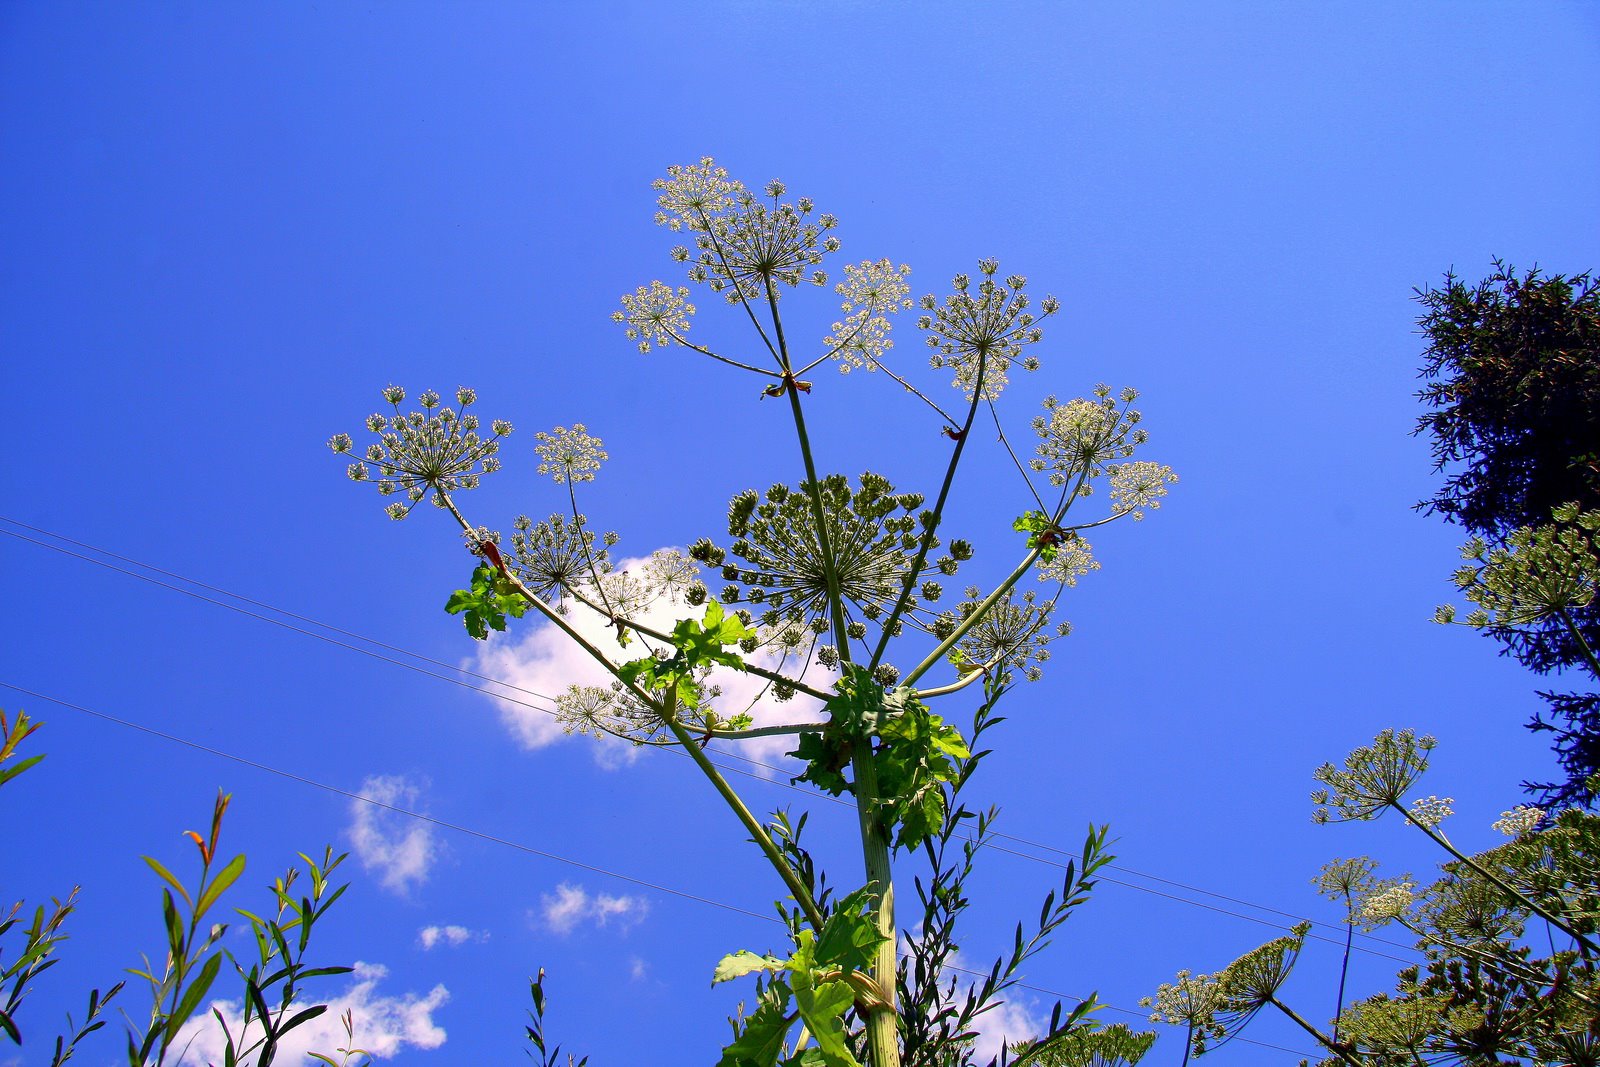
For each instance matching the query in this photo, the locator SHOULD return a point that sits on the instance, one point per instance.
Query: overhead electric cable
(497, 840)
(552, 712)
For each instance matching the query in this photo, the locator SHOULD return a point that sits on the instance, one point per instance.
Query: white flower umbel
(1431, 811)
(434, 450)
(569, 455)
(871, 292)
(1519, 820)
(983, 331)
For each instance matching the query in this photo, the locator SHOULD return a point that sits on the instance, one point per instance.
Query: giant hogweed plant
(1508, 938)
(819, 570)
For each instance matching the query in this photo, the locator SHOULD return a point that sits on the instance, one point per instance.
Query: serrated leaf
(822, 1006)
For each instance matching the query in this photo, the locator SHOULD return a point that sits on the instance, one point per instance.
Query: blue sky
(224, 228)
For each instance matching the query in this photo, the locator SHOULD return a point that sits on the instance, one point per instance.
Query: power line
(495, 839)
(303, 780)
(552, 712)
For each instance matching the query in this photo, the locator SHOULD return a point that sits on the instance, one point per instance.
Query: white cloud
(638, 969)
(400, 849)
(571, 905)
(450, 936)
(1007, 1022)
(547, 661)
(383, 1024)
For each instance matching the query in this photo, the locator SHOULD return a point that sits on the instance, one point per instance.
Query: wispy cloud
(547, 661)
(383, 1024)
(449, 936)
(571, 905)
(1007, 1022)
(399, 849)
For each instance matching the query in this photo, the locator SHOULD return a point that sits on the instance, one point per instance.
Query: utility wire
(497, 840)
(551, 711)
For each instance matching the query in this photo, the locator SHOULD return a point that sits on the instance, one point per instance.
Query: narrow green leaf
(760, 1043)
(167, 875)
(303, 1017)
(253, 992)
(175, 938)
(17, 768)
(191, 998)
(225, 878)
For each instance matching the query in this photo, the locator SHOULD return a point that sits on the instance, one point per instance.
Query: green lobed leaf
(822, 1006)
(742, 963)
(850, 937)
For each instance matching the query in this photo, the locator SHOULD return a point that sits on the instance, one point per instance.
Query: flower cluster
(1251, 982)
(871, 291)
(743, 244)
(693, 193)
(1470, 910)
(1078, 439)
(872, 533)
(555, 557)
(1073, 558)
(656, 314)
(1409, 1023)
(1192, 1001)
(1538, 572)
(1374, 777)
(979, 334)
(1519, 820)
(569, 455)
(1139, 485)
(1386, 901)
(608, 712)
(1431, 811)
(1013, 635)
(437, 449)
(1345, 879)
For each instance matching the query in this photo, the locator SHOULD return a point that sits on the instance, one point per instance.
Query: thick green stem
(972, 620)
(1322, 1039)
(883, 1037)
(768, 731)
(758, 833)
(1495, 880)
(1583, 645)
(927, 534)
